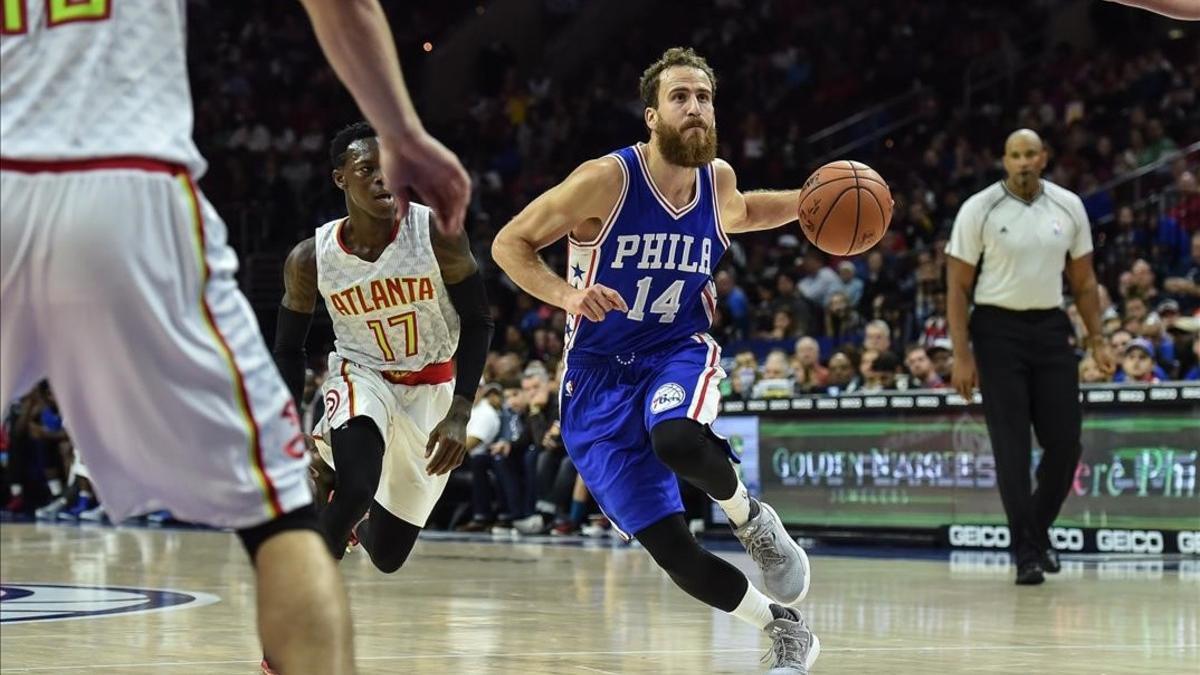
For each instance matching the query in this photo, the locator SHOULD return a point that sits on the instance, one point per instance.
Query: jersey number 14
(666, 306)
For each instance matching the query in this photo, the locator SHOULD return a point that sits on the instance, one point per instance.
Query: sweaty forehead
(683, 77)
(363, 150)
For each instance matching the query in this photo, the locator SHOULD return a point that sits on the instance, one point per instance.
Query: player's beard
(687, 151)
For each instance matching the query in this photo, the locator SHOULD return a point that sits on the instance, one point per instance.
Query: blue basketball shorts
(608, 406)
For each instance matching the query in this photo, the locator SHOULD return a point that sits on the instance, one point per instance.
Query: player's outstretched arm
(1176, 9)
(585, 200)
(758, 210)
(464, 283)
(356, 39)
(295, 314)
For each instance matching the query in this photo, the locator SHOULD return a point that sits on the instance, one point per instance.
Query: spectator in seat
(842, 322)
(819, 282)
(941, 353)
(1184, 282)
(852, 286)
(1138, 363)
(884, 371)
(806, 366)
(920, 370)
(1194, 374)
(842, 378)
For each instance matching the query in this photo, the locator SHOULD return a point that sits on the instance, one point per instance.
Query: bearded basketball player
(645, 227)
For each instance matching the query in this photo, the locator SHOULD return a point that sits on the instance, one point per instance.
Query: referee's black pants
(1028, 373)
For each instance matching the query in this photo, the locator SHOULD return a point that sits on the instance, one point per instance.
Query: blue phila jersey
(659, 258)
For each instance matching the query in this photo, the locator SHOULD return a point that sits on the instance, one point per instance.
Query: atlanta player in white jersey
(408, 308)
(117, 284)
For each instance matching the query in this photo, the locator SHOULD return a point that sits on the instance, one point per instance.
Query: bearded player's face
(684, 126)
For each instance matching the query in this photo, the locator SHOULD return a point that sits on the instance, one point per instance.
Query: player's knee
(389, 563)
(676, 442)
(672, 546)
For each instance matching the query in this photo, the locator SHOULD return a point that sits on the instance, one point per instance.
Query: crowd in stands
(791, 320)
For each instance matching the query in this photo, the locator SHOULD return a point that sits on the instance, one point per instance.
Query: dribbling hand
(594, 302)
(963, 376)
(422, 163)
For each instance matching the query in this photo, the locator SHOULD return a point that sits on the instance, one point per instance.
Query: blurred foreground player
(645, 226)
(1176, 9)
(107, 248)
(1011, 243)
(412, 327)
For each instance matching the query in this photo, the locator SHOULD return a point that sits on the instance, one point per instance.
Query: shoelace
(787, 649)
(763, 551)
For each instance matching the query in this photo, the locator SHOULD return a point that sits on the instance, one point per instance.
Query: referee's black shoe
(1029, 573)
(1050, 561)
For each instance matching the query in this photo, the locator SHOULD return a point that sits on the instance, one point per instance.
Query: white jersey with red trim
(394, 313)
(95, 79)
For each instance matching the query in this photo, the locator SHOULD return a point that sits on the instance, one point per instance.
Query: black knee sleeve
(701, 574)
(691, 450)
(304, 518)
(387, 539)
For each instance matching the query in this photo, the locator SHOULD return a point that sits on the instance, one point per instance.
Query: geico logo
(1129, 541)
(1188, 541)
(1067, 538)
(985, 536)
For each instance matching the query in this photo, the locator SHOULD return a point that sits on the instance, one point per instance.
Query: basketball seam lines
(857, 209)
(817, 236)
(882, 218)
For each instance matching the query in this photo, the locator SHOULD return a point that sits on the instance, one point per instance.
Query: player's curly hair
(342, 140)
(675, 56)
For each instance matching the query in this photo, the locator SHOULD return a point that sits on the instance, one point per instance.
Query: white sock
(737, 507)
(755, 608)
(55, 486)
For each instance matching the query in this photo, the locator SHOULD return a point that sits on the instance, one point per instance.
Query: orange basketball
(845, 207)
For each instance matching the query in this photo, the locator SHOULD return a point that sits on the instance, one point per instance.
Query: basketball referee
(1012, 242)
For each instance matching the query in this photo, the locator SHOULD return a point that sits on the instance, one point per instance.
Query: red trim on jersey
(710, 370)
(91, 164)
(238, 377)
(349, 385)
(337, 234)
(434, 373)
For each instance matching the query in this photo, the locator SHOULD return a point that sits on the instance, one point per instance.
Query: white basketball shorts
(405, 415)
(117, 284)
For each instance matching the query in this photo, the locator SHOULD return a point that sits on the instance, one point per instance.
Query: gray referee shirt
(1019, 248)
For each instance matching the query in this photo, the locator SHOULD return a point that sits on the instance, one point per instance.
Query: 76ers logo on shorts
(668, 396)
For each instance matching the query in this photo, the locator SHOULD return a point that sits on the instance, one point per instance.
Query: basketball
(845, 207)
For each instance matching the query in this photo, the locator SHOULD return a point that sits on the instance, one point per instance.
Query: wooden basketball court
(540, 607)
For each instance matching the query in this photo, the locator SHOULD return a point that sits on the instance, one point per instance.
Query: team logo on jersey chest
(668, 396)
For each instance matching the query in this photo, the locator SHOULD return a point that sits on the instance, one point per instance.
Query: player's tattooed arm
(295, 314)
(579, 205)
(749, 211)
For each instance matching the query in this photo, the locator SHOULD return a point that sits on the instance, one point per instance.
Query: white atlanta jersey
(102, 78)
(394, 313)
